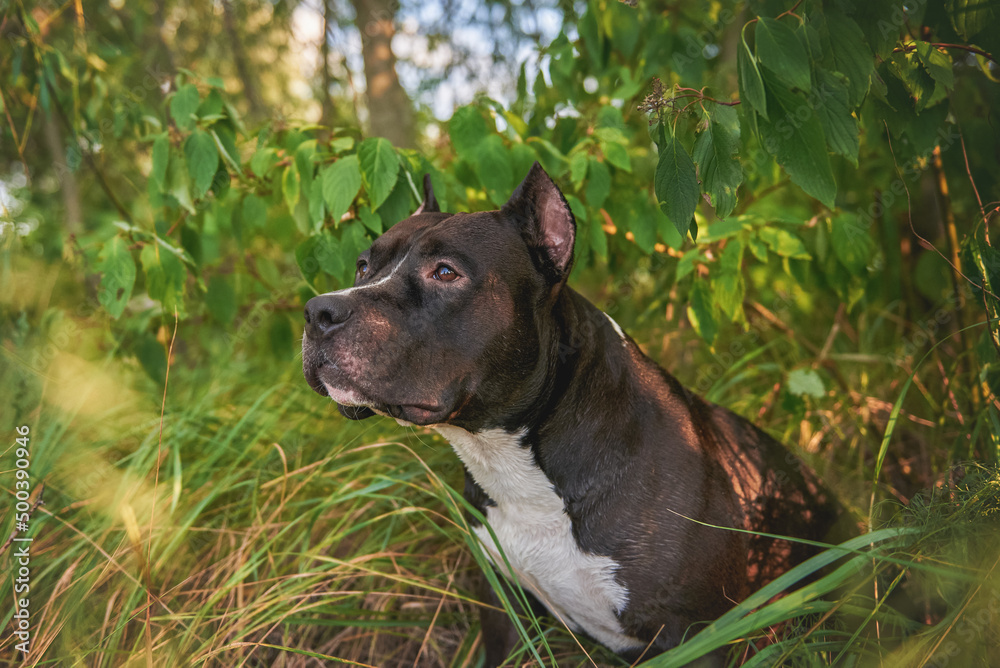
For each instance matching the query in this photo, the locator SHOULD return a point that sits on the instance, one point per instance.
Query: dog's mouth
(356, 405)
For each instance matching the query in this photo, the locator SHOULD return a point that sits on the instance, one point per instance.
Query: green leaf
(341, 184)
(317, 209)
(784, 243)
(552, 159)
(151, 355)
(161, 157)
(851, 243)
(699, 312)
(610, 117)
(715, 152)
(805, 381)
(379, 168)
(262, 161)
(352, 243)
(179, 182)
(522, 157)
(212, 105)
(291, 186)
(117, 276)
(221, 181)
(728, 286)
(751, 84)
(328, 255)
(758, 248)
(305, 257)
(937, 63)
(598, 237)
(851, 55)
(279, 335)
(598, 183)
(468, 128)
(577, 168)
(779, 50)
(609, 134)
(397, 206)
(220, 299)
(971, 17)
(183, 104)
(617, 155)
(493, 167)
(687, 262)
(920, 86)
(165, 275)
(834, 112)
(225, 141)
(676, 185)
(254, 212)
(577, 208)
(721, 229)
(794, 135)
(202, 160)
(371, 220)
(304, 154)
(340, 144)
(640, 220)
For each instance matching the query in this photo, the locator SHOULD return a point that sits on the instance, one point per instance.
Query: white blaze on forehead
(536, 534)
(381, 281)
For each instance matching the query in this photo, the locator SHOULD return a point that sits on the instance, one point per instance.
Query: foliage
(766, 185)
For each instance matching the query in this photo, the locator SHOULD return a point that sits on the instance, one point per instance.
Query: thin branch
(994, 335)
(941, 45)
(926, 243)
(790, 12)
(13, 132)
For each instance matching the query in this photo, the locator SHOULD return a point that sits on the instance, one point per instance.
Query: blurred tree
(240, 59)
(390, 111)
(326, 98)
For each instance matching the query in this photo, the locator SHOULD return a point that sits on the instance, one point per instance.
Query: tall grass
(250, 525)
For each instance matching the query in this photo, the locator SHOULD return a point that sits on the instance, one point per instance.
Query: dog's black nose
(324, 314)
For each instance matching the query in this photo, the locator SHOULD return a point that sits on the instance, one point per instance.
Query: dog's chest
(536, 535)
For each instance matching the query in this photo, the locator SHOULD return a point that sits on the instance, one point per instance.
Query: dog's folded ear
(546, 222)
(430, 203)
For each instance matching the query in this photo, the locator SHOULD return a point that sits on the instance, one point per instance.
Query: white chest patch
(536, 535)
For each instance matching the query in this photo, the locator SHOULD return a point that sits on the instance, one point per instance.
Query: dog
(607, 484)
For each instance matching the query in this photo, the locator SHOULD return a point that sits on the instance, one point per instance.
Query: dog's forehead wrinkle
(404, 235)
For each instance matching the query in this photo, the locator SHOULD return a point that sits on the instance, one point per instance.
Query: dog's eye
(362, 268)
(444, 273)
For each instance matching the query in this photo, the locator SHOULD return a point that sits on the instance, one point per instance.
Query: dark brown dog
(595, 468)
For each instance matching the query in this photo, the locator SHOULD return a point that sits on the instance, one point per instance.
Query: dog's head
(449, 319)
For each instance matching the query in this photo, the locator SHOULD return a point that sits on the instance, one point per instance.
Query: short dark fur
(631, 452)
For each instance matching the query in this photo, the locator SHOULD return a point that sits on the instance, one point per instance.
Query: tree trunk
(240, 59)
(67, 179)
(325, 55)
(390, 113)
(168, 55)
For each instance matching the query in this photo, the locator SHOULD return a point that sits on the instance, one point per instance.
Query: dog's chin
(355, 404)
(355, 412)
(355, 407)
